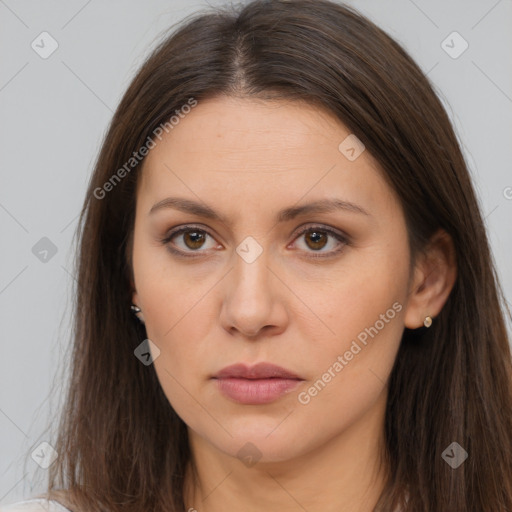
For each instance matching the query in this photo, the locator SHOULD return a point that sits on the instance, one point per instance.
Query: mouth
(260, 384)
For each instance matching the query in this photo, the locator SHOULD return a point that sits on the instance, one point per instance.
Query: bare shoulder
(35, 505)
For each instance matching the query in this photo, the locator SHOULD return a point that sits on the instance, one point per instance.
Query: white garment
(34, 505)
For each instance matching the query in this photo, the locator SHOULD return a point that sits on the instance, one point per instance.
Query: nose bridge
(250, 300)
(251, 272)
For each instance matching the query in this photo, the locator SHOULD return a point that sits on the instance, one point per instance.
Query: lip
(257, 371)
(259, 384)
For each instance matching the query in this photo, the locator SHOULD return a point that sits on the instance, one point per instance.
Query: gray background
(55, 111)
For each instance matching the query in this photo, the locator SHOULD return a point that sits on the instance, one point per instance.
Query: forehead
(251, 128)
(260, 150)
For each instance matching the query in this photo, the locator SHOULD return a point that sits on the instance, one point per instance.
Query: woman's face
(248, 285)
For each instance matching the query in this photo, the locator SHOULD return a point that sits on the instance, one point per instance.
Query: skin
(247, 159)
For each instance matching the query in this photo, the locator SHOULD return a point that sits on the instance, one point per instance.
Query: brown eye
(316, 239)
(193, 239)
(188, 239)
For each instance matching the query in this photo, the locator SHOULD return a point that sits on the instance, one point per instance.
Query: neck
(344, 473)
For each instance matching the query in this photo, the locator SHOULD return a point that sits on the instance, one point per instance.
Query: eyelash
(341, 238)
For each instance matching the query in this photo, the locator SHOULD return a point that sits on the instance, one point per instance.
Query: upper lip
(258, 371)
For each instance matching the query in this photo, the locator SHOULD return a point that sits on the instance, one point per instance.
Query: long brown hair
(121, 445)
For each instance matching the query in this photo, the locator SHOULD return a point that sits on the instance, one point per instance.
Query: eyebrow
(290, 213)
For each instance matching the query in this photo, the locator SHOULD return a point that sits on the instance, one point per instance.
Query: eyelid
(340, 236)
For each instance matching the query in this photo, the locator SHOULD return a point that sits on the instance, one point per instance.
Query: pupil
(195, 243)
(316, 235)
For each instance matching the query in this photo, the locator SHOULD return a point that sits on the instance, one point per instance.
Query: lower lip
(256, 391)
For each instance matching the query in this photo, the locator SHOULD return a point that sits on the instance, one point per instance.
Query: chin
(262, 444)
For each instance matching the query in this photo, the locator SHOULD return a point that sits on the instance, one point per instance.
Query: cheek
(355, 293)
(363, 309)
(349, 373)
(169, 292)
(179, 317)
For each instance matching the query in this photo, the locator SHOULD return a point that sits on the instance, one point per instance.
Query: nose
(254, 299)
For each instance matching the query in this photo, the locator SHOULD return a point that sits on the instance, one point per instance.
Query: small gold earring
(428, 321)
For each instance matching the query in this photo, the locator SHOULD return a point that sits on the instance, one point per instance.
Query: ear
(433, 279)
(135, 301)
